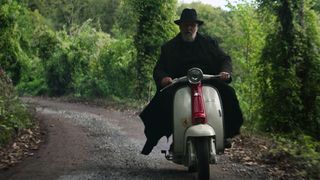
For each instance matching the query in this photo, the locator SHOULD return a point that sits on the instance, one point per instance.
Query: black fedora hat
(188, 15)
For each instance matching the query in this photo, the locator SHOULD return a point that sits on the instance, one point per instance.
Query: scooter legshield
(182, 117)
(214, 114)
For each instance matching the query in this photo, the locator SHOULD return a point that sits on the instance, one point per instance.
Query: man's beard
(189, 36)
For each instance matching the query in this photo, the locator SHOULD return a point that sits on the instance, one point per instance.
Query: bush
(300, 151)
(13, 114)
(110, 72)
(21, 45)
(116, 68)
(85, 48)
(88, 63)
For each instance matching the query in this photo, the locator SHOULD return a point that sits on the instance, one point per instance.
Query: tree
(155, 26)
(9, 39)
(65, 13)
(244, 40)
(126, 20)
(13, 115)
(289, 70)
(316, 6)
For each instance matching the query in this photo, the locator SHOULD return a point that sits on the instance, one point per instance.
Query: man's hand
(166, 81)
(224, 76)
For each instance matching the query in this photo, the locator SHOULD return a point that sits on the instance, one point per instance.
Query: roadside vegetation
(14, 116)
(106, 49)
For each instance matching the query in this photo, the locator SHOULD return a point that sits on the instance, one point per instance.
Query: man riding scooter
(189, 49)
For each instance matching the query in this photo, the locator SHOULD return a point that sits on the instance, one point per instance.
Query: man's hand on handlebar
(224, 76)
(166, 81)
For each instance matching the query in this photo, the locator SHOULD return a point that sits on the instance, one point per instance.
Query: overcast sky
(215, 3)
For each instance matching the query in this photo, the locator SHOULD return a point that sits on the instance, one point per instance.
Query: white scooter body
(184, 130)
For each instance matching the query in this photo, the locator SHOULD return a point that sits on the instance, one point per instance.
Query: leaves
(284, 71)
(285, 157)
(22, 146)
(155, 27)
(13, 115)
(83, 61)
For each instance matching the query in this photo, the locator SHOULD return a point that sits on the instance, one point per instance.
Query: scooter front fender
(200, 130)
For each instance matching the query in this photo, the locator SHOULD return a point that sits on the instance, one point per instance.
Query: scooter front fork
(213, 152)
(192, 157)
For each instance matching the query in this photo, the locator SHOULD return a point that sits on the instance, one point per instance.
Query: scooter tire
(202, 151)
(192, 169)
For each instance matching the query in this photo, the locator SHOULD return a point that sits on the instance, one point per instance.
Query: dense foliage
(300, 151)
(244, 43)
(65, 13)
(108, 48)
(289, 71)
(13, 114)
(81, 59)
(155, 26)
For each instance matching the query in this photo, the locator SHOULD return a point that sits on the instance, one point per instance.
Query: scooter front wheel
(202, 151)
(192, 169)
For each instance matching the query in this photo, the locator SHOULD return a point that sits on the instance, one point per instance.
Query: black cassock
(176, 58)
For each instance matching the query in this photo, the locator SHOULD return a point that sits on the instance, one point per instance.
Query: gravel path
(89, 142)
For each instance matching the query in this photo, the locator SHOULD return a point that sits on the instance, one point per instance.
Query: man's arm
(160, 76)
(226, 64)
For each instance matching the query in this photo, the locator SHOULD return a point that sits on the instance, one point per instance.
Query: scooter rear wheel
(202, 151)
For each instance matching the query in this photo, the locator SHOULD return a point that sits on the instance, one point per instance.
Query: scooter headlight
(195, 75)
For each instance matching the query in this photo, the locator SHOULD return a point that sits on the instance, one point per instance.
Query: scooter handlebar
(208, 76)
(175, 81)
(185, 79)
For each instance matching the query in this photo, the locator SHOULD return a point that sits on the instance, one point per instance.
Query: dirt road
(89, 142)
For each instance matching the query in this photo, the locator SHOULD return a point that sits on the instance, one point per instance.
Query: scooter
(198, 133)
